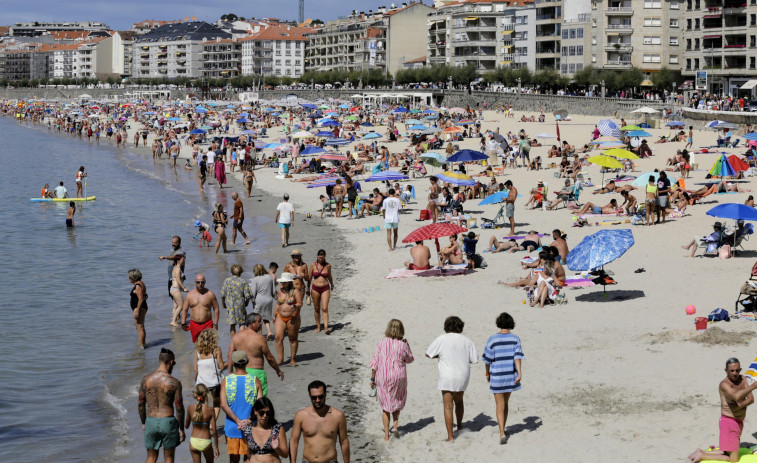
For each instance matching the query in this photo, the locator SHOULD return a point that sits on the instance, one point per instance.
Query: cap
(295, 252)
(197, 223)
(239, 357)
(718, 224)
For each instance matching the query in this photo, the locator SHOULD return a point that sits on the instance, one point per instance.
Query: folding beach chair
(741, 237)
(497, 221)
(735, 143)
(748, 291)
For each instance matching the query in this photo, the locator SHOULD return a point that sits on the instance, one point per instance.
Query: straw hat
(286, 277)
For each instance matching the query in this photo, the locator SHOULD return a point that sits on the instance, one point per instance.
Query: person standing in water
(80, 176)
(70, 216)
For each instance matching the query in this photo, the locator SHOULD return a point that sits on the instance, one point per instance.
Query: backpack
(719, 315)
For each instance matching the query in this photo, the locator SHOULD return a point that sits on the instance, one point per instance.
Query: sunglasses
(264, 412)
(200, 282)
(318, 397)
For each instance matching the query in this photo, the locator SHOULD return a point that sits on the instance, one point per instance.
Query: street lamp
(311, 84)
(519, 84)
(602, 84)
(449, 82)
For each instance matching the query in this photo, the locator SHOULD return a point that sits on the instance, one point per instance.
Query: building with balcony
(173, 50)
(277, 50)
(642, 34)
(221, 58)
(36, 28)
(720, 37)
(575, 46)
(484, 34)
(143, 27)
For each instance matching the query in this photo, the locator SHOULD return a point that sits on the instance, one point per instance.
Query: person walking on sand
(390, 210)
(321, 425)
(239, 391)
(389, 374)
(321, 282)
(502, 357)
(235, 296)
(690, 138)
(138, 303)
(70, 214)
(455, 353)
(255, 346)
(512, 193)
(249, 179)
(199, 303)
(159, 395)
(263, 290)
(288, 307)
(735, 397)
(177, 290)
(203, 165)
(285, 219)
(203, 421)
(220, 221)
(238, 219)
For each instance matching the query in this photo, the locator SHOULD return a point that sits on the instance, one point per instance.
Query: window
(696, 63)
(688, 4)
(688, 44)
(572, 51)
(751, 62)
(652, 58)
(652, 4)
(673, 59)
(579, 67)
(673, 23)
(674, 41)
(652, 22)
(652, 40)
(579, 50)
(688, 64)
(565, 33)
(753, 19)
(563, 68)
(572, 68)
(593, 58)
(572, 33)
(696, 23)
(752, 40)
(673, 4)
(688, 24)
(696, 44)
(564, 51)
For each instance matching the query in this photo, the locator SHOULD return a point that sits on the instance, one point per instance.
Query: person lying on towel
(421, 257)
(591, 208)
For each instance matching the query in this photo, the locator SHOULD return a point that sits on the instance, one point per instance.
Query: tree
(586, 77)
(229, 17)
(611, 79)
(631, 78)
(665, 77)
(316, 21)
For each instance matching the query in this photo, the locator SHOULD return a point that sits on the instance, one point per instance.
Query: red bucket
(701, 323)
(425, 214)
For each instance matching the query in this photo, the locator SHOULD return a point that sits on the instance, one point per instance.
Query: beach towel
(520, 237)
(578, 281)
(586, 216)
(432, 272)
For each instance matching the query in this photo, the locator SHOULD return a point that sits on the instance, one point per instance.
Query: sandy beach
(623, 375)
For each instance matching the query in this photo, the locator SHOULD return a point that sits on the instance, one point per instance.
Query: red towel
(196, 328)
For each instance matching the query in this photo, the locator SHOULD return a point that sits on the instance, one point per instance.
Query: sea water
(69, 363)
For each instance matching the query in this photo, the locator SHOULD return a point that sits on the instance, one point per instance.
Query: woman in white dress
(455, 353)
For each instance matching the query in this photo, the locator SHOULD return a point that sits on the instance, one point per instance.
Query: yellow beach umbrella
(605, 161)
(620, 153)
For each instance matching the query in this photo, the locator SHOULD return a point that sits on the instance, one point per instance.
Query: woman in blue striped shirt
(502, 357)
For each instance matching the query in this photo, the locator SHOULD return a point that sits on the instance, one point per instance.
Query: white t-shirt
(60, 191)
(456, 352)
(285, 209)
(392, 207)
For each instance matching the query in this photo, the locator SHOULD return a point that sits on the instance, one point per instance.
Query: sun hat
(197, 223)
(295, 252)
(285, 277)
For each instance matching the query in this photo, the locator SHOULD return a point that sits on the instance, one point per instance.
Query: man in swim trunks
(238, 219)
(560, 244)
(159, 393)
(70, 215)
(199, 302)
(421, 256)
(735, 397)
(512, 193)
(203, 171)
(321, 425)
(255, 346)
(175, 254)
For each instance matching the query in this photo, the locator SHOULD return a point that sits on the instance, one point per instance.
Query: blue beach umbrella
(494, 198)
(312, 150)
(243, 121)
(343, 106)
(430, 118)
(271, 146)
(324, 133)
(310, 106)
(599, 249)
(249, 132)
(400, 110)
(609, 128)
(413, 121)
(337, 141)
(200, 110)
(331, 123)
(456, 178)
(371, 135)
(467, 156)
(328, 181)
(389, 175)
(675, 124)
(751, 136)
(197, 131)
(366, 124)
(430, 111)
(643, 179)
(733, 211)
(638, 133)
(417, 127)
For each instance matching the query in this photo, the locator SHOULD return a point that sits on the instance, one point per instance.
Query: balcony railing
(618, 27)
(619, 9)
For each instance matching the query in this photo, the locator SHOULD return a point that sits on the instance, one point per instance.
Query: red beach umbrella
(737, 163)
(434, 231)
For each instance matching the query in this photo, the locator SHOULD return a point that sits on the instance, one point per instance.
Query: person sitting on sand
(373, 205)
(499, 246)
(749, 201)
(545, 286)
(532, 276)
(451, 254)
(591, 208)
(713, 240)
(536, 198)
(421, 256)
(629, 201)
(560, 245)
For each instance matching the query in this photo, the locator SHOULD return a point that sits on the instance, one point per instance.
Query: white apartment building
(221, 58)
(173, 50)
(277, 50)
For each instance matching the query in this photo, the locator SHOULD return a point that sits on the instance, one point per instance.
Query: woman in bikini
(203, 421)
(220, 219)
(288, 306)
(321, 282)
(351, 194)
(265, 428)
(299, 269)
(451, 254)
(177, 290)
(249, 179)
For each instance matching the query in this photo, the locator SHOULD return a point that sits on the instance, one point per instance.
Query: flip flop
(639, 270)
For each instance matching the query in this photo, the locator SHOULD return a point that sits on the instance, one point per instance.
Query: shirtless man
(433, 199)
(70, 214)
(421, 256)
(591, 208)
(238, 219)
(200, 301)
(530, 242)
(562, 246)
(339, 192)
(321, 425)
(159, 393)
(735, 397)
(174, 151)
(254, 344)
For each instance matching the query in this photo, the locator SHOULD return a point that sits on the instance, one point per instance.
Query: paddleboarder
(80, 176)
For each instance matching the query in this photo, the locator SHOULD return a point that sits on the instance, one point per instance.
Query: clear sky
(121, 14)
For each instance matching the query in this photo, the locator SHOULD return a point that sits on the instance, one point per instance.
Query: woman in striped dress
(389, 375)
(502, 357)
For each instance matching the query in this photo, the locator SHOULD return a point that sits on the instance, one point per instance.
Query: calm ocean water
(69, 362)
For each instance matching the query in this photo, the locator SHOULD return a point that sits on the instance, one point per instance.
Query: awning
(647, 83)
(749, 85)
(507, 32)
(471, 18)
(506, 62)
(686, 84)
(711, 36)
(709, 16)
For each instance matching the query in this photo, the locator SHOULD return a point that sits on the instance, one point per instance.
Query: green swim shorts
(161, 432)
(262, 376)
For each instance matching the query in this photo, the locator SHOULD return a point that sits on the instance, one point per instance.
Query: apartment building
(484, 34)
(143, 27)
(576, 44)
(381, 40)
(644, 34)
(19, 61)
(720, 39)
(173, 50)
(32, 29)
(277, 50)
(221, 58)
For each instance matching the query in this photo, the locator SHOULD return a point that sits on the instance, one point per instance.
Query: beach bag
(425, 214)
(718, 315)
(725, 251)
(479, 261)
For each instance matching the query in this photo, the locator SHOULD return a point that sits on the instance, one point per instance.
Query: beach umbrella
(628, 128)
(737, 163)
(302, 134)
(643, 179)
(560, 113)
(712, 124)
(324, 134)
(325, 181)
(243, 120)
(366, 124)
(611, 144)
(751, 136)
(248, 132)
(430, 111)
(413, 121)
(312, 150)
(418, 127)
(600, 249)
(431, 130)
(351, 118)
(675, 124)
(435, 159)
(371, 135)
(465, 122)
(638, 133)
(722, 168)
(197, 131)
(620, 153)
(200, 110)
(271, 146)
(546, 135)
(324, 107)
(147, 113)
(174, 119)
(434, 231)
(331, 123)
(606, 162)
(645, 110)
(608, 128)
(400, 110)
(603, 139)
(456, 110)
(456, 178)
(310, 106)
(343, 106)
(330, 156)
(206, 127)
(387, 175)
(430, 118)
(337, 141)
(467, 156)
(453, 130)
(733, 211)
(494, 198)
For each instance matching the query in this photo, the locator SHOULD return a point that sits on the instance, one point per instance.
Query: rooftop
(193, 30)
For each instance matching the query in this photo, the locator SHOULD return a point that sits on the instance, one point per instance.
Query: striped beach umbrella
(609, 128)
(330, 156)
(456, 178)
(387, 175)
(722, 168)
